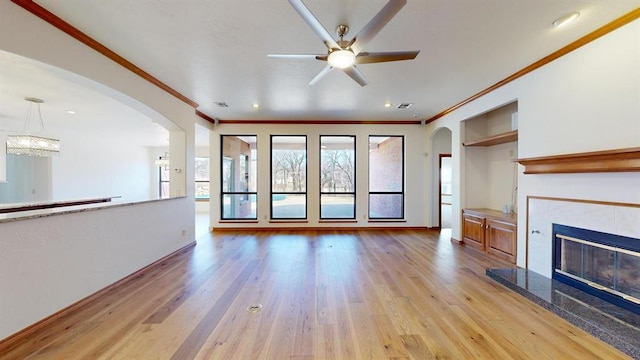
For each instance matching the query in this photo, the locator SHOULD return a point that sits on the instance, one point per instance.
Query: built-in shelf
(494, 139)
(619, 160)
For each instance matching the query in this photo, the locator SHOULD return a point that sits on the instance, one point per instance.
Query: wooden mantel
(620, 160)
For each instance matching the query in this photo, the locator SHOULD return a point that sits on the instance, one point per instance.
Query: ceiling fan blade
(320, 75)
(356, 75)
(299, 56)
(315, 25)
(376, 24)
(378, 57)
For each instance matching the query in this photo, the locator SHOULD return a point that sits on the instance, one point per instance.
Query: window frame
(161, 180)
(208, 181)
(353, 192)
(224, 193)
(401, 192)
(306, 180)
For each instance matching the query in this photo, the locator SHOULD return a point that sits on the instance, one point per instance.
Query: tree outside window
(337, 177)
(202, 178)
(288, 177)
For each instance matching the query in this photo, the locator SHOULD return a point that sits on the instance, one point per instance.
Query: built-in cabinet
(492, 231)
(490, 182)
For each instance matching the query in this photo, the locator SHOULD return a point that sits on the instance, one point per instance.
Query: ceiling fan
(346, 55)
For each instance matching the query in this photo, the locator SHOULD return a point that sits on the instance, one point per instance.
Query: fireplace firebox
(602, 264)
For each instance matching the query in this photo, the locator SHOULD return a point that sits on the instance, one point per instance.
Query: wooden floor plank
(196, 339)
(334, 294)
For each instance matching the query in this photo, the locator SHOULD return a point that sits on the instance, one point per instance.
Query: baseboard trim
(11, 341)
(319, 228)
(456, 241)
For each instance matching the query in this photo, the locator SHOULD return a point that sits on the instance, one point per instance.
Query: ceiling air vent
(221, 104)
(405, 105)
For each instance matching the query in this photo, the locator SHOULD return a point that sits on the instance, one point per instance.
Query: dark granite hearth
(617, 327)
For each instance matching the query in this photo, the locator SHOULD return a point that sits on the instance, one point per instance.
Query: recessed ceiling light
(71, 112)
(256, 105)
(565, 19)
(387, 104)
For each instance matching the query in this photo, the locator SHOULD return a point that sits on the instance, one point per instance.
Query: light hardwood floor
(325, 295)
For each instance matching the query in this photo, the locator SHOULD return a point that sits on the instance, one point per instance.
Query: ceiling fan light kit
(341, 59)
(344, 55)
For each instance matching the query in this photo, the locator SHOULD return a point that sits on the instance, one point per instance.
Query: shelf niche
(503, 138)
(490, 143)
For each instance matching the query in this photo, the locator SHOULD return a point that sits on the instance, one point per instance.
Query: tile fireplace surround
(611, 218)
(613, 325)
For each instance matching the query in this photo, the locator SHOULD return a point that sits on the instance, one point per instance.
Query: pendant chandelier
(30, 145)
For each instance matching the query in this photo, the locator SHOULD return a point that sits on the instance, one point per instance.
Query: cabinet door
(473, 231)
(501, 239)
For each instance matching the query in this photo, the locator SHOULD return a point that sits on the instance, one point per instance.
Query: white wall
(33, 38)
(92, 165)
(3, 158)
(49, 263)
(416, 182)
(588, 100)
(503, 177)
(491, 175)
(203, 206)
(28, 180)
(131, 237)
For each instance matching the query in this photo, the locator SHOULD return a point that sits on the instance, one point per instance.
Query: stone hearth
(614, 325)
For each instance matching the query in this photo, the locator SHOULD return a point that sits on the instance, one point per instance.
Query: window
(337, 177)
(386, 177)
(202, 178)
(163, 189)
(288, 177)
(239, 196)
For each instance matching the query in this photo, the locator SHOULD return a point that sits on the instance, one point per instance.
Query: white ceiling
(61, 91)
(216, 51)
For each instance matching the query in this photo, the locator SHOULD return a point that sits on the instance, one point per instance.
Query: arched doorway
(442, 178)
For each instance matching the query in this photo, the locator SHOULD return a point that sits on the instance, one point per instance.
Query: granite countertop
(52, 204)
(34, 214)
(614, 325)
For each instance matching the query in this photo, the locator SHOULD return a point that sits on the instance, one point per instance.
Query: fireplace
(602, 264)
